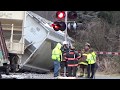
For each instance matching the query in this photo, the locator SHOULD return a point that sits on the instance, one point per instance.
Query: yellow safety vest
(57, 53)
(84, 63)
(91, 58)
(94, 55)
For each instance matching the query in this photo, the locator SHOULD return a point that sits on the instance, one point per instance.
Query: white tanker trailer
(30, 40)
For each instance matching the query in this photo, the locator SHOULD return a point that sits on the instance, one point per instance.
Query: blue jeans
(56, 68)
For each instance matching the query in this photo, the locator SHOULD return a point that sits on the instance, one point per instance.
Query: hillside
(102, 31)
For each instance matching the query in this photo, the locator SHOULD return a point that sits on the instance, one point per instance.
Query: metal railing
(14, 45)
(3, 46)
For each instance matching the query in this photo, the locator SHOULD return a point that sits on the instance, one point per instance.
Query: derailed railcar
(30, 40)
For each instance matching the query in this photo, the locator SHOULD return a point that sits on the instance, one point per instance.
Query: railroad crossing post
(66, 26)
(65, 38)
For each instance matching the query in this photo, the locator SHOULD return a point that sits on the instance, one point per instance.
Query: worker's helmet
(65, 42)
(87, 44)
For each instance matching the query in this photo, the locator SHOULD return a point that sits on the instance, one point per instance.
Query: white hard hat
(65, 42)
(87, 44)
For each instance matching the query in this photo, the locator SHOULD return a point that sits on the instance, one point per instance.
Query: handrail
(3, 46)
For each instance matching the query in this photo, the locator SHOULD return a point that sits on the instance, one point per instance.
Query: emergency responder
(83, 64)
(56, 57)
(72, 61)
(63, 63)
(91, 59)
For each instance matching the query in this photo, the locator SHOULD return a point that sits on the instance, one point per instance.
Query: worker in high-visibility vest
(56, 57)
(83, 64)
(91, 60)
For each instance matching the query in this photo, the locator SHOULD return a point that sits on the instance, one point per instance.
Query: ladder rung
(3, 45)
(17, 34)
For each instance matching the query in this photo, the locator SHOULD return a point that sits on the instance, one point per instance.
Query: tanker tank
(31, 39)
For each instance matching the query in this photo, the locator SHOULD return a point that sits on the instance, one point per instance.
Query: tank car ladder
(3, 48)
(3, 45)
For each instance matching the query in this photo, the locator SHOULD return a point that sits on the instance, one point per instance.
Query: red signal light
(59, 26)
(56, 26)
(60, 14)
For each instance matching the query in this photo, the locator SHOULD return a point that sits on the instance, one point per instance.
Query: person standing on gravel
(83, 64)
(91, 60)
(72, 58)
(63, 63)
(56, 57)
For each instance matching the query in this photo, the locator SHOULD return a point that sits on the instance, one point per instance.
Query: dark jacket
(72, 58)
(64, 51)
(72, 54)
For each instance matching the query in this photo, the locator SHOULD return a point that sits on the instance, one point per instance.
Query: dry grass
(109, 66)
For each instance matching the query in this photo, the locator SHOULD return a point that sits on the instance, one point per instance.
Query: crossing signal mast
(62, 23)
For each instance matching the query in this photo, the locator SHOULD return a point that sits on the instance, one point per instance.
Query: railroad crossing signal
(59, 25)
(62, 24)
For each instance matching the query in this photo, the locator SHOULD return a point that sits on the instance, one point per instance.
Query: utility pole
(66, 25)
(65, 38)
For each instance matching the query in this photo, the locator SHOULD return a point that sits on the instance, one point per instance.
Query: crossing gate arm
(108, 53)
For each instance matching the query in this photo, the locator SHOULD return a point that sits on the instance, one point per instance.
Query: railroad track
(50, 76)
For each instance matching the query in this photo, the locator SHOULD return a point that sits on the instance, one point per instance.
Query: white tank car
(31, 39)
